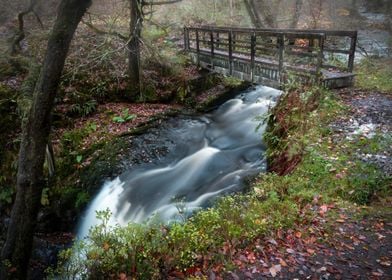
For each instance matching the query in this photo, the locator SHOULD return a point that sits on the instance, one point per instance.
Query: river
(212, 156)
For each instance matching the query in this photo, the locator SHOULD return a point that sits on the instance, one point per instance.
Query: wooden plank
(320, 58)
(303, 54)
(281, 56)
(307, 48)
(337, 51)
(347, 33)
(212, 48)
(299, 35)
(230, 53)
(352, 53)
(197, 47)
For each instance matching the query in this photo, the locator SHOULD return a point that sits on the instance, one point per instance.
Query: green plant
(124, 117)
(6, 194)
(79, 158)
(84, 109)
(231, 81)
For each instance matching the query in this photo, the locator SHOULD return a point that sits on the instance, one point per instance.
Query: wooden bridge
(273, 56)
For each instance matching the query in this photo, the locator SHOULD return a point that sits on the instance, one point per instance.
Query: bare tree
(135, 25)
(297, 13)
(316, 11)
(16, 252)
(263, 13)
(20, 34)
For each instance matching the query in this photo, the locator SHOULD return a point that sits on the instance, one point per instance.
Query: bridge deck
(272, 56)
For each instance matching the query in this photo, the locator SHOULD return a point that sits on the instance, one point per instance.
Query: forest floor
(341, 242)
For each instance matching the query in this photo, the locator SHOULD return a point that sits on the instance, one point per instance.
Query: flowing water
(213, 154)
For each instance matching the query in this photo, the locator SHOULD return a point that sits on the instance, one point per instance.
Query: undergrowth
(375, 73)
(326, 172)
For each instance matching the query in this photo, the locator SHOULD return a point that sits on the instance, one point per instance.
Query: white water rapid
(221, 149)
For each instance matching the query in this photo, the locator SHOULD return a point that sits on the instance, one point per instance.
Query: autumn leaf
(323, 209)
(282, 263)
(275, 269)
(310, 251)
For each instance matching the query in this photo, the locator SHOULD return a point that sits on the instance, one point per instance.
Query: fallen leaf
(275, 269)
(310, 251)
(249, 275)
(339, 176)
(235, 276)
(377, 274)
(323, 209)
(282, 263)
(273, 242)
(385, 263)
(290, 251)
(362, 237)
(380, 236)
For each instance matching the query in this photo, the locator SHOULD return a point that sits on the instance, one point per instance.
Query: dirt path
(370, 113)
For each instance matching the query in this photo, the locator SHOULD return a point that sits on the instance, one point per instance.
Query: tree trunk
(16, 252)
(253, 13)
(263, 13)
(231, 5)
(297, 13)
(134, 49)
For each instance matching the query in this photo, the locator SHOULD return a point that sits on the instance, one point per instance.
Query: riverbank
(341, 239)
(325, 185)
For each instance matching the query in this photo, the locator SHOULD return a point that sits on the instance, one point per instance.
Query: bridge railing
(270, 54)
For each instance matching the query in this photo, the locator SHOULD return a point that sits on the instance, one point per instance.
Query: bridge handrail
(288, 33)
(328, 32)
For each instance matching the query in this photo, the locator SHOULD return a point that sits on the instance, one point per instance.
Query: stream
(212, 156)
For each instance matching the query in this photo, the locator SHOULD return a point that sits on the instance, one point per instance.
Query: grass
(326, 172)
(375, 73)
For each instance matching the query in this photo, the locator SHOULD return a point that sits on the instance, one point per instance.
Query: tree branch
(153, 3)
(20, 35)
(104, 32)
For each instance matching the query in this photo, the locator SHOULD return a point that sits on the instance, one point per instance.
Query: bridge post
(231, 52)
(197, 48)
(252, 55)
(353, 45)
(212, 48)
(320, 58)
(234, 38)
(281, 53)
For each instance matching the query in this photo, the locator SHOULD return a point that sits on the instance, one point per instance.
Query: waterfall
(212, 156)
